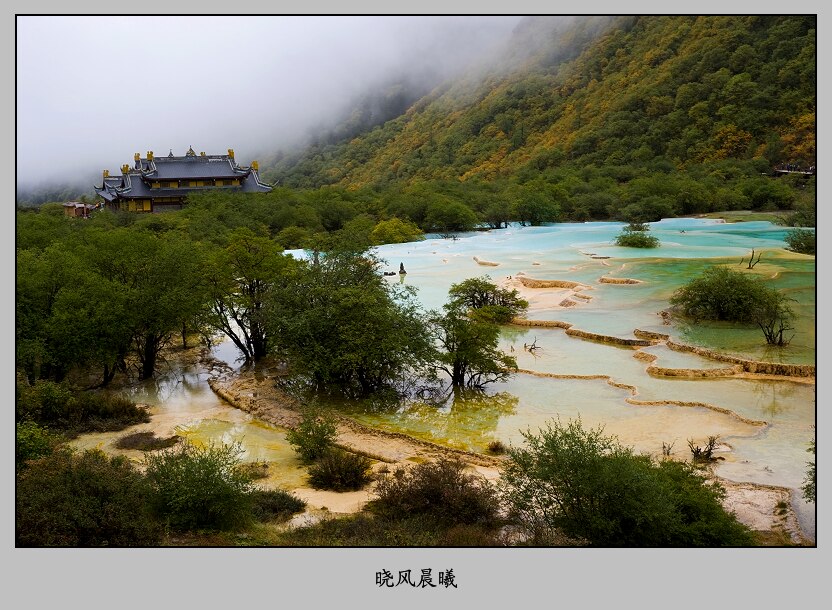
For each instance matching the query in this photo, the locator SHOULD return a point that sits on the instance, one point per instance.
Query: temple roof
(168, 168)
(136, 187)
(136, 182)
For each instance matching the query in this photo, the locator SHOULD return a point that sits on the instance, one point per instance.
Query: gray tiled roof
(253, 185)
(138, 188)
(189, 167)
(195, 167)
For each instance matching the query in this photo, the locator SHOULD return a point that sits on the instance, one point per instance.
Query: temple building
(77, 209)
(157, 184)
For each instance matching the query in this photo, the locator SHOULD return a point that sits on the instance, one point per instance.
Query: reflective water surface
(764, 425)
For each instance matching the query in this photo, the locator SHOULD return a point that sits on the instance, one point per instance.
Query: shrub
(496, 447)
(31, 442)
(44, 402)
(313, 436)
(363, 530)
(60, 406)
(66, 499)
(587, 486)
(440, 490)
(810, 481)
(145, 440)
(703, 454)
(100, 412)
(274, 504)
(254, 470)
(636, 239)
(199, 487)
(340, 470)
(724, 294)
(719, 293)
(801, 240)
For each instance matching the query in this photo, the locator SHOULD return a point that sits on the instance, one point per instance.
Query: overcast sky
(91, 91)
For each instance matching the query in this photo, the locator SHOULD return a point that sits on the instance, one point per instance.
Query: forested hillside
(634, 95)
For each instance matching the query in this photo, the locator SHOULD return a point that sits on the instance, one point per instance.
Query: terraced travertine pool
(764, 425)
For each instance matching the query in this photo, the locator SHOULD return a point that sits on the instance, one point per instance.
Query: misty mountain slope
(626, 91)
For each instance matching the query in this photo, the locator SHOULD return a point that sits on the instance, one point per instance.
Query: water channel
(764, 426)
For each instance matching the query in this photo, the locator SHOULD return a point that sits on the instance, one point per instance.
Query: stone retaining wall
(533, 283)
(541, 323)
(618, 280)
(749, 366)
(702, 405)
(660, 371)
(575, 332)
(647, 334)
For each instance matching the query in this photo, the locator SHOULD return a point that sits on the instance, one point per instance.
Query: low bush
(496, 447)
(199, 487)
(703, 454)
(363, 530)
(145, 440)
(636, 239)
(720, 293)
(254, 470)
(441, 490)
(340, 470)
(803, 241)
(584, 485)
(31, 442)
(88, 499)
(313, 436)
(274, 504)
(60, 406)
(810, 480)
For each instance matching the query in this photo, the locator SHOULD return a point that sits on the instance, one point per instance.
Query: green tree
(159, 279)
(537, 203)
(395, 231)
(578, 483)
(240, 278)
(497, 214)
(468, 348)
(488, 301)
(293, 237)
(650, 209)
(772, 313)
(41, 278)
(449, 216)
(767, 193)
(85, 333)
(341, 322)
